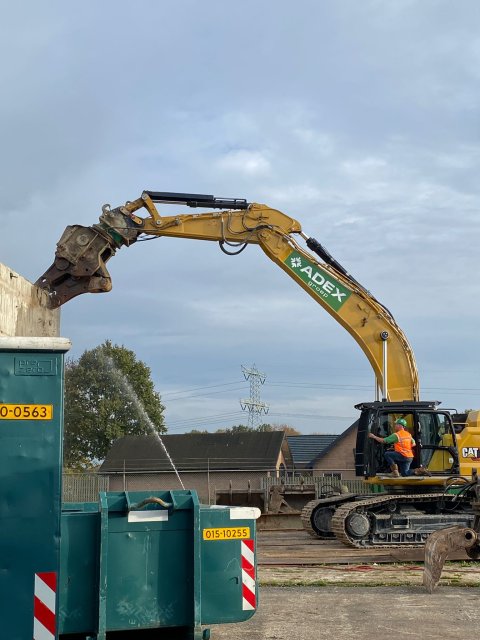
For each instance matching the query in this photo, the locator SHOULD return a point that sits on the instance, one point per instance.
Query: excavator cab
(432, 430)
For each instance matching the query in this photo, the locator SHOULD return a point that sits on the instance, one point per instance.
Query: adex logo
(322, 283)
(471, 452)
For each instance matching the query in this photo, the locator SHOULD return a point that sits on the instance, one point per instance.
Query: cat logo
(470, 452)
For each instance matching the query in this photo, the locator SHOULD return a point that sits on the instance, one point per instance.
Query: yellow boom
(82, 253)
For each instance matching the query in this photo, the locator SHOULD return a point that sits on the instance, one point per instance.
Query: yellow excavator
(447, 444)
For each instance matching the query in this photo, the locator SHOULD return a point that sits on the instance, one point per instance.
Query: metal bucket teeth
(437, 548)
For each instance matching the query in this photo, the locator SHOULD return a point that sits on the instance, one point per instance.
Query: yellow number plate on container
(26, 411)
(228, 533)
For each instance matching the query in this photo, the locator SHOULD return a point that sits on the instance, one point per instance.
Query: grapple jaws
(79, 265)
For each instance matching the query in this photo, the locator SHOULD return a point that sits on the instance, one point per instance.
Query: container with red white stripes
(229, 559)
(31, 430)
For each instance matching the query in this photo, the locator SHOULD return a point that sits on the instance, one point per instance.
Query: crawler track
(384, 521)
(393, 538)
(330, 504)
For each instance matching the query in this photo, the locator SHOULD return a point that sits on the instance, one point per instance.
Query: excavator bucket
(439, 545)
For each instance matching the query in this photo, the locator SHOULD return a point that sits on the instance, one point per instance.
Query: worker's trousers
(403, 463)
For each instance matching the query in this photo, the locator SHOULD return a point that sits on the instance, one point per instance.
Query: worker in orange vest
(400, 459)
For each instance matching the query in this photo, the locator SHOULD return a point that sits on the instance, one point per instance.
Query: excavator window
(436, 440)
(436, 446)
(433, 433)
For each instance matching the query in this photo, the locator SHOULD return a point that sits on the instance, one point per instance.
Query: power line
(214, 417)
(222, 418)
(210, 386)
(321, 385)
(307, 385)
(317, 416)
(205, 395)
(204, 425)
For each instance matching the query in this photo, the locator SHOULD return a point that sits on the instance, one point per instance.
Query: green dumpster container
(31, 423)
(133, 563)
(143, 560)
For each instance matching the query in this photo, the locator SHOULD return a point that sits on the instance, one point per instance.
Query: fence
(206, 483)
(83, 487)
(245, 484)
(321, 484)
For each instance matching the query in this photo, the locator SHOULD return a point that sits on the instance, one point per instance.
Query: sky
(359, 119)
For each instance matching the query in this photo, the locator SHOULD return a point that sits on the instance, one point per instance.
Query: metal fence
(321, 484)
(83, 487)
(250, 485)
(206, 483)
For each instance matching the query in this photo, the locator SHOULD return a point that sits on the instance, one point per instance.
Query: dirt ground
(314, 590)
(293, 558)
(359, 613)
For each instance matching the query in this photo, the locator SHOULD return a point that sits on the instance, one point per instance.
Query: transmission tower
(253, 405)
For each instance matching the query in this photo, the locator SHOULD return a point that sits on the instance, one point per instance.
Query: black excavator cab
(432, 430)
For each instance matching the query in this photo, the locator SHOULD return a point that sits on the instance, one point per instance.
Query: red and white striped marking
(45, 594)
(249, 599)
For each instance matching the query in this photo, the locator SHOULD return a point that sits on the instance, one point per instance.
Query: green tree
(289, 431)
(108, 394)
(242, 428)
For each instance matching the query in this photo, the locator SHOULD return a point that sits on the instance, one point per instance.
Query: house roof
(335, 442)
(306, 448)
(195, 451)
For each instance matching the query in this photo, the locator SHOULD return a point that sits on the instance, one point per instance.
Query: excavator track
(352, 522)
(323, 531)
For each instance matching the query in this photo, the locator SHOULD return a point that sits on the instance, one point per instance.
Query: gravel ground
(359, 613)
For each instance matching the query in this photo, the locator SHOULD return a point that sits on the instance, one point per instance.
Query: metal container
(143, 560)
(31, 419)
(133, 563)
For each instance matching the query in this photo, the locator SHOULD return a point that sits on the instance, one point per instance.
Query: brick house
(325, 455)
(337, 460)
(305, 448)
(205, 462)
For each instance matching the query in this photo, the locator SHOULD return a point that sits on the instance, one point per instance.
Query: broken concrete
(24, 308)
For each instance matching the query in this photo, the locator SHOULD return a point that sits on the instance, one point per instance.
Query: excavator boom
(83, 252)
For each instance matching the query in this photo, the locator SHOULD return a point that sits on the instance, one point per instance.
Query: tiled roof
(306, 448)
(333, 444)
(191, 451)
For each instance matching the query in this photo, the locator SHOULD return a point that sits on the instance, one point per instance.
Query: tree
(108, 394)
(237, 428)
(289, 431)
(241, 428)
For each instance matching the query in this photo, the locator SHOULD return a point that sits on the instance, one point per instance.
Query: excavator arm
(82, 254)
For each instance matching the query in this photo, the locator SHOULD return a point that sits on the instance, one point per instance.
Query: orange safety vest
(404, 444)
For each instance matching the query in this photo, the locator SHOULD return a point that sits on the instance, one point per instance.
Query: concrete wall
(24, 308)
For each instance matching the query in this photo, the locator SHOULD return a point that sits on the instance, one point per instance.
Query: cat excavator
(447, 444)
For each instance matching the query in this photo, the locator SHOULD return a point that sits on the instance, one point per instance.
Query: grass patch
(376, 583)
(326, 583)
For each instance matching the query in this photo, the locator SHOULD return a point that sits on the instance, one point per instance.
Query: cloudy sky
(359, 119)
